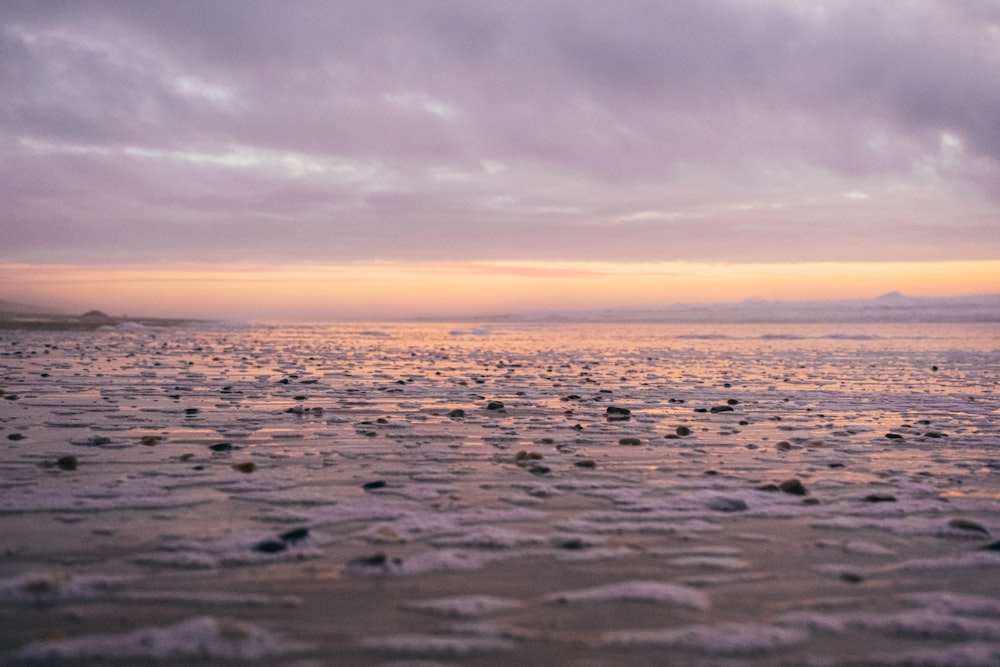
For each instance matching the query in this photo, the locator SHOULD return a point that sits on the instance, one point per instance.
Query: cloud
(440, 130)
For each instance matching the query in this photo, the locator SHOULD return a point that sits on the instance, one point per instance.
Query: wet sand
(430, 494)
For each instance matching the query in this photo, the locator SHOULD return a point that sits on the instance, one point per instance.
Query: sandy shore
(354, 496)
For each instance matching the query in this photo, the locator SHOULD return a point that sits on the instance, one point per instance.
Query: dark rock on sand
(894, 436)
(721, 408)
(377, 484)
(722, 504)
(793, 486)
(494, 405)
(539, 470)
(683, 431)
(66, 463)
(246, 466)
(632, 442)
(879, 498)
(457, 413)
(295, 535)
(586, 463)
(270, 546)
(967, 524)
(15, 436)
(221, 447)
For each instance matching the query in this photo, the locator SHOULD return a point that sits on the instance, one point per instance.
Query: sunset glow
(398, 290)
(349, 159)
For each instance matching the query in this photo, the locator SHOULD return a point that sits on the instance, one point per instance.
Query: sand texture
(436, 494)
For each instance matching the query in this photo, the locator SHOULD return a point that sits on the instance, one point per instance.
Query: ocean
(502, 493)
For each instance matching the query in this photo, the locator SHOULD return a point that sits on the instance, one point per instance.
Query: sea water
(502, 493)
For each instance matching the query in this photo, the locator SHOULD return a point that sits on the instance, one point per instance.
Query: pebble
(494, 405)
(16, 436)
(586, 463)
(879, 498)
(967, 524)
(295, 535)
(721, 408)
(149, 440)
(793, 486)
(633, 442)
(894, 436)
(221, 447)
(270, 546)
(377, 484)
(457, 413)
(722, 504)
(246, 466)
(683, 431)
(66, 462)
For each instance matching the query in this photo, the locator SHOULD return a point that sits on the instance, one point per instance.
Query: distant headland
(24, 317)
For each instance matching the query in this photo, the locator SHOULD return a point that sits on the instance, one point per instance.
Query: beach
(469, 494)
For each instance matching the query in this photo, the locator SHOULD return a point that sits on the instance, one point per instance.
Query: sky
(368, 159)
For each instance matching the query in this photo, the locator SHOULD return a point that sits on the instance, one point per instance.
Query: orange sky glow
(406, 290)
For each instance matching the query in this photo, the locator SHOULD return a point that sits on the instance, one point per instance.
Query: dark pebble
(967, 524)
(270, 546)
(295, 535)
(375, 560)
(377, 484)
(539, 470)
(727, 504)
(494, 405)
(457, 413)
(149, 440)
(880, 498)
(793, 486)
(894, 436)
(66, 463)
(221, 447)
(701, 409)
(614, 410)
(246, 466)
(768, 487)
(632, 442)
(16, 436)
(191, 411)
(571, 543)
(721, 408)
(586, 463)
(993, 546)
(732, 401)
(683, 431)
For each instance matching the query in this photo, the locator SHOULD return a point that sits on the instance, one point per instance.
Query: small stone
(149, 440)
(66, 462)
(586, 463)
(721, 504)
(967, 524)
(732, 401)
(375, 560)
(295, 535)
(683, 431)
(793, 486)
(993, 546)
(495, 405)
(377, 484)
(632, 442)
(246, 466)
(879, 498)
(894, 436)
(810, 501)
(935, 434)
(783, 446)
(768, 487)
(614, 410)
(191, 411)
(721, 408)
(851, 577)
(571, 543)
(539, 470)
(525, 455)
(221, 447)
(457, 413)
(186, 457)
(270, 546)
(15, 436)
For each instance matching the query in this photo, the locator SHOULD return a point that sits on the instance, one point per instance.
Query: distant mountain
(891, 307)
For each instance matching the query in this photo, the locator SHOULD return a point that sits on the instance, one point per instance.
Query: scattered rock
(722, 504)
(66, 462)
(539, 470)
(270, 546)
(721, 408)
(377, 484)
(191, 411)
(295, 535)
(15, 436)
(632, 442)
(221, 447)
(683, 431)
(967, 524)
(495, 405)
(614, 410)
(586, 463)
(793, 486)
(768, 488)
(457, 413)
(879, 498)
(246, 466)
(993, 546)
(783, 446)
(149, 440)
(894, 436)
(525, 455)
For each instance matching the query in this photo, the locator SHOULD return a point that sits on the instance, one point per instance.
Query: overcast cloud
(706, 130)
